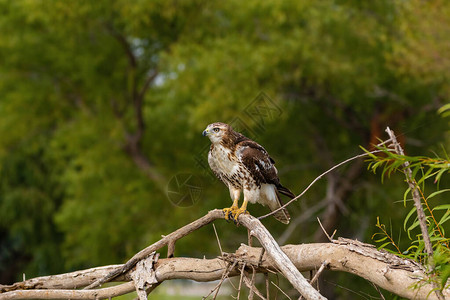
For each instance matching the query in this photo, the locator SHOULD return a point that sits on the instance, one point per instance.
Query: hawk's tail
(270, 196)
(282, 215)
(285, 191)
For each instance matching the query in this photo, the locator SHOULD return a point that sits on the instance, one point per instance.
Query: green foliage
(424, 170)
(385, 238)
(442, 259)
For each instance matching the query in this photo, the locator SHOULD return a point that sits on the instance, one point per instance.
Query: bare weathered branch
(256, 229)
(104, 293)
(171, 238)
(70, 280)
(384, 269)
(280, 259)
(403, 277)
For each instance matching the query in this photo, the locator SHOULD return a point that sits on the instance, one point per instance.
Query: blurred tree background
(103, 104)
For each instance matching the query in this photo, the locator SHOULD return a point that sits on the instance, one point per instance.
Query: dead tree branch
(257, 230)
(280, 259)
(168, 239)
(403, 277)
(104, 293)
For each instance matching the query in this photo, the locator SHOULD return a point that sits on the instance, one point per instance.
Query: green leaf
(444, 218)
(442, 207)
(444, 110)
(405, 222)
(415, 171)
(445, 274)
(429, 173)
(413, 226)
(405, 195)
(437, 193)
(439, 175)
(380, 239)
(384, 245)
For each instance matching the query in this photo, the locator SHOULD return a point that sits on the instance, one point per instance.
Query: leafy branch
(431, 244)
(385, 236)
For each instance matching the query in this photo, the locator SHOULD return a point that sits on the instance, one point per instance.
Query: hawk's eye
(216, 129)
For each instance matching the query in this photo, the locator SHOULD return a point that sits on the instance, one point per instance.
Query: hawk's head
(216, 131)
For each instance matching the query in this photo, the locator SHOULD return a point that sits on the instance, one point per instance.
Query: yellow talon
(230, 212)
(241, 210)
(234, 211)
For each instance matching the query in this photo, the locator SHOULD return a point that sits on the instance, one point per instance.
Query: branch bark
(384, 269)
(279, 258)
(171, 238)
(403, 277)
(416, 197)
(257, 230)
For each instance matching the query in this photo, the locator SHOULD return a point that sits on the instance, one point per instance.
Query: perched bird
(244, 165)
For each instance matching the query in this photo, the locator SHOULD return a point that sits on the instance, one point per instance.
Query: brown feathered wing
(256, 159)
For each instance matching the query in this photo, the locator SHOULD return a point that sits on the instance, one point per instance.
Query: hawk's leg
(250, 193)
(230, 211)
(235, 194)
(241, 210)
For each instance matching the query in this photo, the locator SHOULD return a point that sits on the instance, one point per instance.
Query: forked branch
(403, 277)
(257, 230)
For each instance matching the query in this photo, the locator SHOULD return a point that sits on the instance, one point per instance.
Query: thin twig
(295, 222)
(254, 289)
(252, 285)
(278, 282)
(316, 179)
(378, 290)
(224, 275)
(217, 238)
(330, 238)
(170, 249)
(240, 281)
(266, 277)
(263, 250)
(281, 290)
(316, 276)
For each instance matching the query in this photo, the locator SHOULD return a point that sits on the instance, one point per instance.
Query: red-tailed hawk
(244, 165)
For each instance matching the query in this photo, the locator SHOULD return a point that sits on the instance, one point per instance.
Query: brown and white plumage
(244, 165)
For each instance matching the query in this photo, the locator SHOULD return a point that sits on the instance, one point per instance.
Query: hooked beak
(205, 132)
